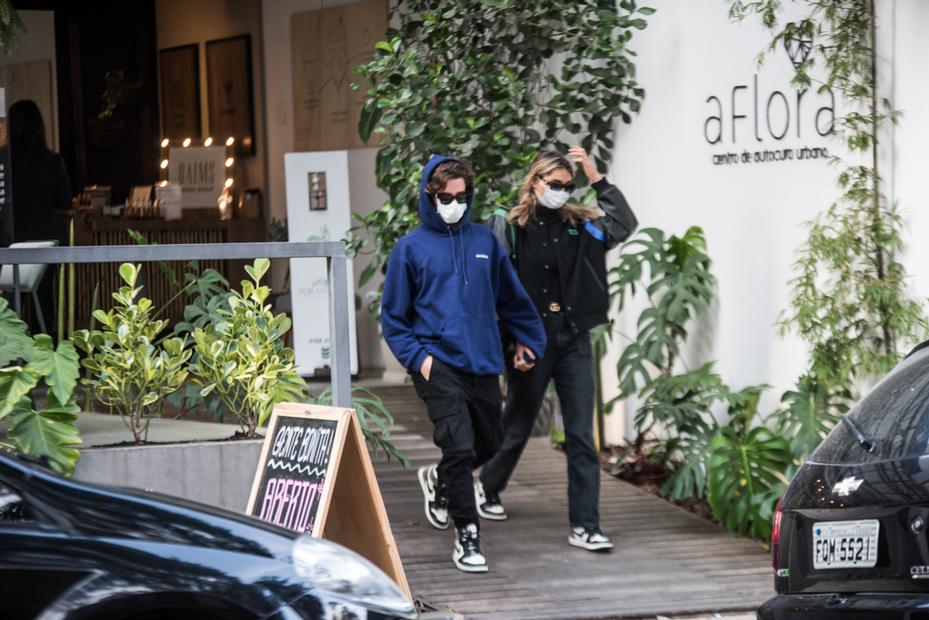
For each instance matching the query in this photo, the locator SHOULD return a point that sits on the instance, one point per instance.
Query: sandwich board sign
(315, 477)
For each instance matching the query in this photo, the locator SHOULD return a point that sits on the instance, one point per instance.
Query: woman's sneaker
(590, 538)
(488, 504)
(467, 555)
(435, 500)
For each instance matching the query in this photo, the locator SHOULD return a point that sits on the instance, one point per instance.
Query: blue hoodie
(445, 288)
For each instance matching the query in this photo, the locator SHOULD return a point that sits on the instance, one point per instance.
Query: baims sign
(200, 171)
(315, 477)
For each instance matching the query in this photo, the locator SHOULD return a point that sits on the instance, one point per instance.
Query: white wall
(752, 213)
(365, 195)
(38, 43)
(909, 22)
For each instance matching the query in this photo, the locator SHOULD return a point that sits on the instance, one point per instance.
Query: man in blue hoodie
(447, 284)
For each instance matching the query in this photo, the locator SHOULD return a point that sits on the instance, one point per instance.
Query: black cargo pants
(467, 419)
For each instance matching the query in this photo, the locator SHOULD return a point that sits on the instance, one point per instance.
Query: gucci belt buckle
(554, 307)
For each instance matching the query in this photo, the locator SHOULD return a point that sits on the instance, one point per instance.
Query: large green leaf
(59, 367)
(808, 414)
(50, 432)
(745, 478)
(15, 384)
(15, 342)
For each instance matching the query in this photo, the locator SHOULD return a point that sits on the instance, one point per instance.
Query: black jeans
(569, 361)
(467, 427)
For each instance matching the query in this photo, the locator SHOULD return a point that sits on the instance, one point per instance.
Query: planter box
(219, 473)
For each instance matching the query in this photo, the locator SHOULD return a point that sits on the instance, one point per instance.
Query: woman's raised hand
(579, 156)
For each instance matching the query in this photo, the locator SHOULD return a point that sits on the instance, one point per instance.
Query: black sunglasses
(446, 198)
(558, 186)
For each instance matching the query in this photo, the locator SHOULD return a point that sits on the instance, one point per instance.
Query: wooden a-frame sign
(315, 477)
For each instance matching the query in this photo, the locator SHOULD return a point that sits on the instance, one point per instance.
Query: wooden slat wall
(158, 286)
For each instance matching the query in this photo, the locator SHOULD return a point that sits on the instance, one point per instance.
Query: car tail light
(776, 534)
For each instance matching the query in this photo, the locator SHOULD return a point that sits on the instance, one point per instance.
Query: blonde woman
(559, 249)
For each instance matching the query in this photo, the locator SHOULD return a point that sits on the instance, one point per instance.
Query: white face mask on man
(452, 212)
(552, 199)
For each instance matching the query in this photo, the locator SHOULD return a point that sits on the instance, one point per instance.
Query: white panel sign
(200, 171)
(318, 209)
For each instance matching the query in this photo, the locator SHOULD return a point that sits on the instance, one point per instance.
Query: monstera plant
(40, 429)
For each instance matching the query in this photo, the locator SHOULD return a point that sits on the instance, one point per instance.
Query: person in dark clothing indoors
(41, 189)
(447, 283)
(559, 252)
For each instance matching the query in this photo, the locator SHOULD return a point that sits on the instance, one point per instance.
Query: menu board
(294, 475)
(315, 477)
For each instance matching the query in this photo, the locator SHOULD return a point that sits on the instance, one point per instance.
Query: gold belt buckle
(554, 307)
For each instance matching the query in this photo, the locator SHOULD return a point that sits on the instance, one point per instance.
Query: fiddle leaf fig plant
(241, 358)
(132, 368)
(29, 362)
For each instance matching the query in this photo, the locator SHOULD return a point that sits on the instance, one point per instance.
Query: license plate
(845, 544)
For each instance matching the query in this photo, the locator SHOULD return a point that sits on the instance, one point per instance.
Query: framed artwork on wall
(179, 72)
(229, 87)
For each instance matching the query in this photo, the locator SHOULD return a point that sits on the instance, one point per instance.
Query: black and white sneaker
(467, 555)
(435, 500)
(590, 538)
(488, 504)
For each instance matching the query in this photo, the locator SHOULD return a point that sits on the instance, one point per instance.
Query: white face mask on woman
(452, 212)
(552, 199)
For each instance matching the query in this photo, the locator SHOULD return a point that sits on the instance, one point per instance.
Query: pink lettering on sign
(291, 504)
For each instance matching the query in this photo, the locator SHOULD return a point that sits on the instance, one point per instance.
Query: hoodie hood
(427, 212)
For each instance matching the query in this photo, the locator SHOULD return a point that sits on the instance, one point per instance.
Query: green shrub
(241, 358)
(131, 369)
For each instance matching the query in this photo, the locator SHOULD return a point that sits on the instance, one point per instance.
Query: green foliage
(41, 431)
(807, 414)
(745, 477)
(241, 357)
(442, 82)
(131, 368)
(11, 26)
(678, 288)
(374, 418)
(849, 299)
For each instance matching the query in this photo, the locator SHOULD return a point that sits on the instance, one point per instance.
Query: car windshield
(894, 417)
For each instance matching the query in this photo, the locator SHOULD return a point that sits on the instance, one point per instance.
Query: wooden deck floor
(666, 560)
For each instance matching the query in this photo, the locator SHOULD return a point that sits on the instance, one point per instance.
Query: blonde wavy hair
(544, 164)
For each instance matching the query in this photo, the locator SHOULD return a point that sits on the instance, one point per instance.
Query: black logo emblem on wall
(798, 42)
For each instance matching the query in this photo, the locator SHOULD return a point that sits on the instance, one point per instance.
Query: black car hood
(97, 510)
(884, 483)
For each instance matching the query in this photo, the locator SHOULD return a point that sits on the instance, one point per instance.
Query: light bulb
(229, 162)
(208, 141)
(164, 164)
(165, 143)
(186, 142)
(230, 141)
(228, 183)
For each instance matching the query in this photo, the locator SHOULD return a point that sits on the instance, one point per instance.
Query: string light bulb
(165, 143)
(208, 141)
(186, 142)
(228, 183)
(164, 164)
(230, 141)
(229, 162)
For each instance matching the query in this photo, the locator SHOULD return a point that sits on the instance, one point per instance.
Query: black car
(71, 550)
(850, 534)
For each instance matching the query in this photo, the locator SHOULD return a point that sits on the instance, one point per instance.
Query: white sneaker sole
(423, 475)
(483, 513)
(489, 515)
(468, 568)
(606, 546)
